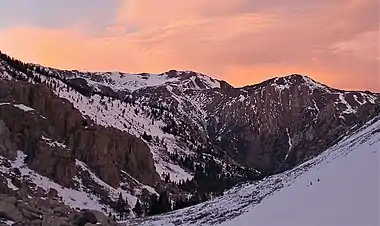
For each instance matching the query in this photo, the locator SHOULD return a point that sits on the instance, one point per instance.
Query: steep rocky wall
(279, 129)
(7, 147)
(104, 150)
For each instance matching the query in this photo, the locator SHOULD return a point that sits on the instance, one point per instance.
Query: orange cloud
(336, 44)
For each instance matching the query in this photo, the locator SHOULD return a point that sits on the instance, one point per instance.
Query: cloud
(95, 14)
(365, 46)
(240, 41)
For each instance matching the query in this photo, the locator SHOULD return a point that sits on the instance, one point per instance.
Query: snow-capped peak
(297, 80)
(119, 81)
(192, 80)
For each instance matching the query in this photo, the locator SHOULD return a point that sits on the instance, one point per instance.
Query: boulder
(30, 215)
(10, 211)
(90, 224)
(22, 191)
(4, 189)
(35, 222)
(54, 203)
(92, 217)
(36, 211)
(30, 208)
(63, 221)
(49, 220)
(61, 210)
(8, 199)
(52, 193)
(3, 224)
(40, 192)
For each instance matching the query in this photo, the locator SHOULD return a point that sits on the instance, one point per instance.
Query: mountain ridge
(275, 200)
(181, 72)
(204, 135)
(297, 79)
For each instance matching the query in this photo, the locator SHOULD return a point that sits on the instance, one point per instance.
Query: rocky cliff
(60, 143)
(107, 151)
(275, 125)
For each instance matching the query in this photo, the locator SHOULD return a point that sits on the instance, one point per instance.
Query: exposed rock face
(61, 164)
(92, 217)
(4, 189)
(109, 147)
(278, 124)
(105, 150)
(46, 212)
(8, 209)
(270, 127)
(7, 147)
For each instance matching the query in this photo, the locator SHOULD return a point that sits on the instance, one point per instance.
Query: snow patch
(114, 193)
(23, 107)
(53, 143)
(11, 185)
(289, 144)
(71, 197)
(349, 109)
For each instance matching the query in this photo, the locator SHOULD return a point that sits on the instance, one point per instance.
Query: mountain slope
(342, 192)
(270, 127)
(279, 123)
(200, 136)
(337, 188)
(48, 144)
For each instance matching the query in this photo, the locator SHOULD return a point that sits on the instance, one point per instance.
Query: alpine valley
(122, 147)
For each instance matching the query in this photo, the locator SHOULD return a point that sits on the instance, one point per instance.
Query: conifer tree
(137, 209)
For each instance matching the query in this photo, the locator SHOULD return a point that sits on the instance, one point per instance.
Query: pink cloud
(334, 42)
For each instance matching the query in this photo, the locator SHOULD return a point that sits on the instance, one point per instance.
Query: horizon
(234, 86)
(333, 42)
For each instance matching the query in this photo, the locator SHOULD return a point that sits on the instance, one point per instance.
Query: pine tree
(167, 178)
(164, 202)
(122, 207)
(120, 204)
(153, 208)
(137, 209)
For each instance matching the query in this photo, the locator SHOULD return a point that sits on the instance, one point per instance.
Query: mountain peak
(297, 80)
(132, 82)
(288, 82)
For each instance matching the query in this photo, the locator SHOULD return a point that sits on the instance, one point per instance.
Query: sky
(241, 41)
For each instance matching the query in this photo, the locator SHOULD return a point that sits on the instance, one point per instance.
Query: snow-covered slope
(343, 190)
(130, 118)
(76, 198)
(340, 187)
(119, 81)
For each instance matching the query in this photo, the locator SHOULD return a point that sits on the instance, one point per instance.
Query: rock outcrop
(92, 217)
(46, 212)
(280, 123)
(189, 121)
(7, 147)
(106, 151)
